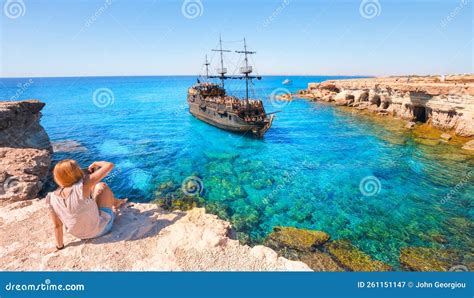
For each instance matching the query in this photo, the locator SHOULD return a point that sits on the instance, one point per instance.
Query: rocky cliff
(25, 151)
(445, 102)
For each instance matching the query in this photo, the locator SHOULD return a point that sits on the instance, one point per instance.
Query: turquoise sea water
(306, 172)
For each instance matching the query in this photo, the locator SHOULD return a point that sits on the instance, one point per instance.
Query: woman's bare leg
(105, 197)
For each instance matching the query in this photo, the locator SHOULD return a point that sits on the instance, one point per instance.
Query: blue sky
(147, 37)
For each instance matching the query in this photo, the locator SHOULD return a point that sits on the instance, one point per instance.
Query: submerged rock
(320, 261)
(354, 259)
(180, 202)
(427, 259)
(260, 184)
(221, 156)
(427, 142)
(315, 259)
(245, 218)
(221, 210)
(170, 196)
(68, 146)
(300, 239)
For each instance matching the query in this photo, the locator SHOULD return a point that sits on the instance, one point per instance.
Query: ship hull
(228, 120)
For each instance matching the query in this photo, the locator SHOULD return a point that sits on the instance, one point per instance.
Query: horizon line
(194, 75)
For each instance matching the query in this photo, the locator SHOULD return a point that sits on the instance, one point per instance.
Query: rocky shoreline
(144, 237)
(445, 103)
(172, 233)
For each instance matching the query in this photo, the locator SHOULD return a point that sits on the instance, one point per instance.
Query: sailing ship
(210, 102)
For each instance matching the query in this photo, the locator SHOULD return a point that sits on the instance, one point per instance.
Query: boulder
(446, 136)
(361, 95)
(330, 87)
(354, 259)
(342, 95)
(300, 239)
(24, 171)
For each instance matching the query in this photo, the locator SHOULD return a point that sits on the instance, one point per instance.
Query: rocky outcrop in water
(432, 259)
(447, 103)
(354, 259)
(25, 151)
(302, 245)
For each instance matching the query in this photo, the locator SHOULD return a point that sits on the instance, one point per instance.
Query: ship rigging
(210, 102)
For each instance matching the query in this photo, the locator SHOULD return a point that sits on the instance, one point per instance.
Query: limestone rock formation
(447, 104)
(144, 237)
(25, 151)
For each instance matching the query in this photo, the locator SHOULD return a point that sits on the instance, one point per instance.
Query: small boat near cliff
(210, 102)
(287, 82)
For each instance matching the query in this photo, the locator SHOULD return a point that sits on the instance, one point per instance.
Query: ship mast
(221, 71)
(207, 67)
(247, 69)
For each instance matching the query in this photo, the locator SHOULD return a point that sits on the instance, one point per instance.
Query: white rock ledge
(144, 238)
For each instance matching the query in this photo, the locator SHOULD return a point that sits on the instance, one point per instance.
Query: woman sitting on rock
(82, 203)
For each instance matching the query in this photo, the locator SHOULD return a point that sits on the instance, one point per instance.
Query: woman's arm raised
(99, 170)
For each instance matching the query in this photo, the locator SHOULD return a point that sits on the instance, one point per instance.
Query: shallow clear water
(306, 172)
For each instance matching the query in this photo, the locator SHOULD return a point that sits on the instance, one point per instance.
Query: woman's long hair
(67, 172)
